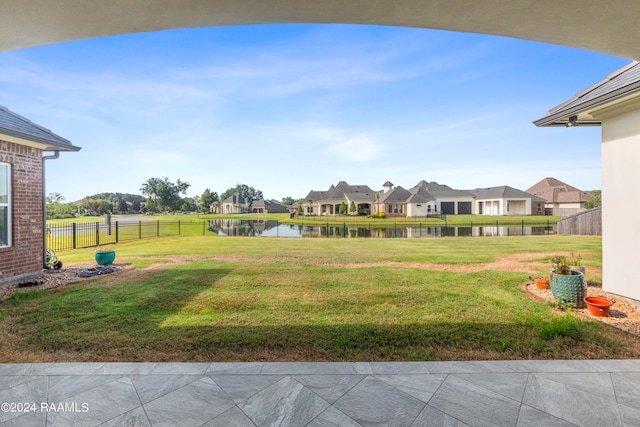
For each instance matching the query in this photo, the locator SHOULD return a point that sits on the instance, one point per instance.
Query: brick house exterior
(22, 144)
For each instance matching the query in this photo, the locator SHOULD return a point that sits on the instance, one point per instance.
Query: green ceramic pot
(570, 288)
(105, 258)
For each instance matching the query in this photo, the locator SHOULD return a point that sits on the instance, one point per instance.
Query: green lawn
(238, 299)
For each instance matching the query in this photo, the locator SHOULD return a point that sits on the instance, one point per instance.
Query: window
(5, 204)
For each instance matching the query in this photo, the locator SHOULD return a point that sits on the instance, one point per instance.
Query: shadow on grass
(117, 322)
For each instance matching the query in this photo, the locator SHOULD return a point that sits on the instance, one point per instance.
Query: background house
(425, 198)
(329, 202)
(505, 200)
(235, 203)
(399, 202)
(561, 198)
(447, 200)
(268, 206)
(22, 235)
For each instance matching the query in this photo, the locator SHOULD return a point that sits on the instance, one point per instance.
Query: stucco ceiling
(607, 27)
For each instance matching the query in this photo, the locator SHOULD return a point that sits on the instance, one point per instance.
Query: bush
(381, 214)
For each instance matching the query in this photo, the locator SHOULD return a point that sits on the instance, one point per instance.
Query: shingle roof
(555, 191)
(316, 195)
(360, 196)
(235, 198)
(546, 184)
(343, 188)
(273, 206)
(440, 190)
(397, 195)
(17, 126)
(501, 192)
(616, 85)
(339, 192)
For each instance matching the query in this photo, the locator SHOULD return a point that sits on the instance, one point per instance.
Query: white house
(505, 200)
(235, 203)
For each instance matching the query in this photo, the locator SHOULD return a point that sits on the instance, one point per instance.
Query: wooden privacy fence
(587, 223)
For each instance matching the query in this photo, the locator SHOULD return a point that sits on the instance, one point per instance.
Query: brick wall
(24, 259)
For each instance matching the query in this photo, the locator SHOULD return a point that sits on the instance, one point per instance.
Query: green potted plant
(105, 256)
(568, 285)
(576, 263)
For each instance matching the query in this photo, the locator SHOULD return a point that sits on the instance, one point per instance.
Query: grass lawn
(247, 299)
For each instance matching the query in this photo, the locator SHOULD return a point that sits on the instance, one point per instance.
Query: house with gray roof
(505, 200)
(400, 202)
(424, 199)
(329, 202)
(268, 206)
(448, 200)
(22, 189)
(236, 203)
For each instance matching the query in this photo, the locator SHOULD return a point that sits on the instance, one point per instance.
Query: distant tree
(343, 208)
(58, 210)
(245, 191)
(165, 193)
(188, 205)
(595, 200)
(207, 199)
(135, 206)
(151, 206)
(55, 198)
(288, 200)
(300, 210)
(99, 207)
(116, 197)
(123, 206)
(352, 208)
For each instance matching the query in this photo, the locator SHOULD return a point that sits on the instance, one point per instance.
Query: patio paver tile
(473, 404)
(374, 402)
(570, 403)
(192, 405)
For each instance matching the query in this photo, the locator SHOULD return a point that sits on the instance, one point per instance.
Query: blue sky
(291, 108)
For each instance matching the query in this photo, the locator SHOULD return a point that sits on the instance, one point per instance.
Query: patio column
(621, 198)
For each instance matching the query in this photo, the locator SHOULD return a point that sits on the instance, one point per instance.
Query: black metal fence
(86, 235)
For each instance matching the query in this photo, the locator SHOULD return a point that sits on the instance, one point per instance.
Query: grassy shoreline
(350, 220)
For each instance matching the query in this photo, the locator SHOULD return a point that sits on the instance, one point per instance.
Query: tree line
(162, 195)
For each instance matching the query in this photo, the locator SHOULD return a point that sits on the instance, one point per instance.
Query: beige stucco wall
(518, 207)
(416, 209)
(620, 201)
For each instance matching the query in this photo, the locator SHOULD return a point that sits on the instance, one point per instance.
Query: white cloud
(360, 148)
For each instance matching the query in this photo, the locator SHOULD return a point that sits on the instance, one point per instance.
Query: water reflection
(273, 228)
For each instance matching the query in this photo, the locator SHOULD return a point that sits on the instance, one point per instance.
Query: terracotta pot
(598, 306)
(541, 282)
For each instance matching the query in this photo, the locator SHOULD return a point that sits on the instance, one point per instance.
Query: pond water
(273, 228)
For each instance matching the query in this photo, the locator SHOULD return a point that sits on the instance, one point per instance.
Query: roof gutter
(55, 155)
(561, 118)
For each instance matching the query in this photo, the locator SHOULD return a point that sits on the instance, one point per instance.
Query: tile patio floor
(492, 393)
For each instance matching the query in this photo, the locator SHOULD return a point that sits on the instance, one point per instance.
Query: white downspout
(55, 155)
